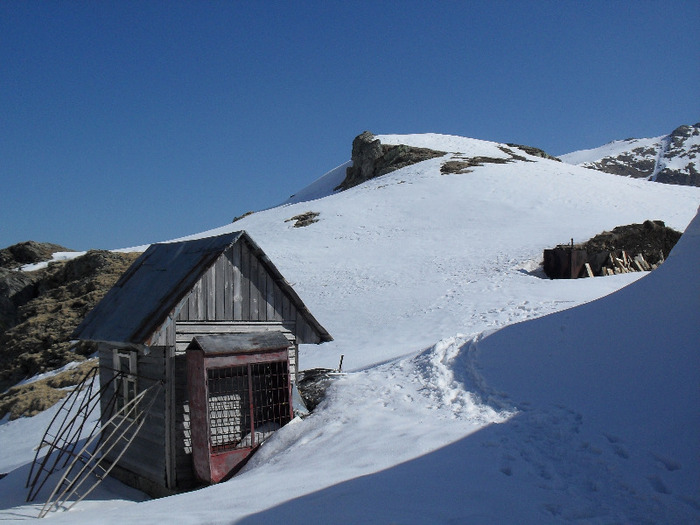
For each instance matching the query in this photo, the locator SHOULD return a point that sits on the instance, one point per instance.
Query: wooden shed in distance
(224, 299)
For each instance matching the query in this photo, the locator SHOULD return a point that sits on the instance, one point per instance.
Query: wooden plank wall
(106, 362)
(146, 454)
(185, 331)
(238, 287)
(184, 470)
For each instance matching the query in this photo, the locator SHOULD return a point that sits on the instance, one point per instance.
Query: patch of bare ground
(38, 339)
(304, 219)
(32, 398)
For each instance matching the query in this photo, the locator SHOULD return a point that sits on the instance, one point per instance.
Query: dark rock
(28, 252)
(304, 219)
(371, 158)
(16, 289)
(679, 148)
(653, 240)
(397, 157)
(312, 385)
(463, 165)
(535, 152)
(235, 219)
(627, 166)
(691, 177)
(675, 159)
(456, 167)
(366, 150)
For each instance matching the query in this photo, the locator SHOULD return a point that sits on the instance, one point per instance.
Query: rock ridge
(671, 159)
(371, 159)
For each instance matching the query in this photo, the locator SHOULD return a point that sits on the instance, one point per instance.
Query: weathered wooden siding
(236, 294)
(106, 362)
(184, 472)
(239, 287)
(240, 292)
(146, 456)
(185, 331)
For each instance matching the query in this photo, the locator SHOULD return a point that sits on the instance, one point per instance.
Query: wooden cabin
(222, 298)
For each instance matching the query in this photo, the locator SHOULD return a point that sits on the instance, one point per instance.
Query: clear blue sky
(124, 123)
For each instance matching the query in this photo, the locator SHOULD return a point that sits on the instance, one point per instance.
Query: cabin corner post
(170, 418)
(196, 388)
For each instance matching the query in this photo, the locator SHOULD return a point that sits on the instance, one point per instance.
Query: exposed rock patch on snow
(671, 159)
(370, 159)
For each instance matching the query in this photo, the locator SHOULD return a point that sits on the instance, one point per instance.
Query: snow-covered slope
(673, 158)
(451, 251)
(438, 421)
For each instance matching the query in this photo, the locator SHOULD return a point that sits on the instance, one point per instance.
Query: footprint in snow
(667, 463)
(658, 485)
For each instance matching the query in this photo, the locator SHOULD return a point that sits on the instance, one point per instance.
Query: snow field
(586, 415)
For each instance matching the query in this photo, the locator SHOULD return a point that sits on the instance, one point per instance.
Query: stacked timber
(631, 248)
(625, 264)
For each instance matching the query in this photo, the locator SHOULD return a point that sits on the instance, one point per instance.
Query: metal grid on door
(229, 406)
(270, 387)
(231, 412)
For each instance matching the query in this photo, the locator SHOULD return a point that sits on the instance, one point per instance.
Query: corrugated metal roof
(237, 343)
(157, 281)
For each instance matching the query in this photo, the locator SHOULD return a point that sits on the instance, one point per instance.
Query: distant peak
(670, 159)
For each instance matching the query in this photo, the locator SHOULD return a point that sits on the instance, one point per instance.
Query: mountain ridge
(669, 159)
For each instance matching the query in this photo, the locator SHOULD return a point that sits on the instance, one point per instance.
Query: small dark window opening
(125, 378)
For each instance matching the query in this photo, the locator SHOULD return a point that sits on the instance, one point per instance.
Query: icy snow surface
(587, 415)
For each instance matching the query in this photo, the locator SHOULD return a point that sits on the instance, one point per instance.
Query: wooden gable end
(240, 286)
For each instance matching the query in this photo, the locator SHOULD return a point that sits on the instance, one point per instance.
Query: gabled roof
(139, 303)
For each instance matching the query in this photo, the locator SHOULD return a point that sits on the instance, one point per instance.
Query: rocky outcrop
(40, 309)
(28, 252)
(16, 289)
(304, 219)
(672, 159)
(535, 152)
(371, 158)
(638, 163)
(651, 239)
(312, 385)
(683, 147)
